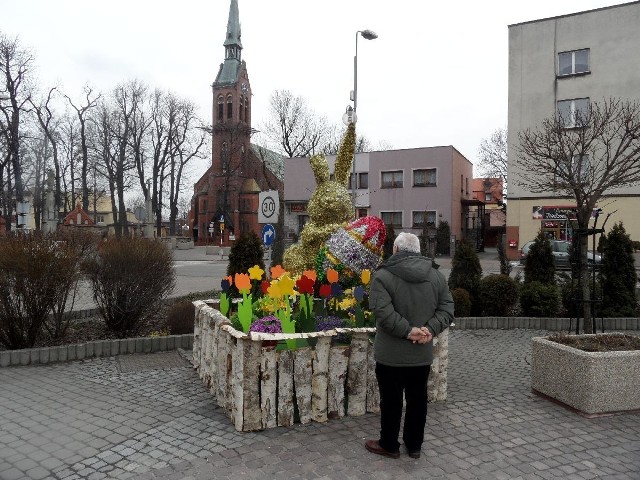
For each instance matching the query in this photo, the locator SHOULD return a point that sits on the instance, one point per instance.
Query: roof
(78, 216)
(573, 14)
(273, 160)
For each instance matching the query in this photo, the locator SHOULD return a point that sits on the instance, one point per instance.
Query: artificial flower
(310, 274)
(336, 290)
(305, 284)
(255, 272)
(325, 290)
(243, 282)
(268, 324)
(332, 275)
(365, 276)
(286, 284)
(264, 286)
(358, 293)
(277, 272)
(274, 290)
(225, 284)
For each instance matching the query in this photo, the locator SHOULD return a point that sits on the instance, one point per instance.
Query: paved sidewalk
(149, 417)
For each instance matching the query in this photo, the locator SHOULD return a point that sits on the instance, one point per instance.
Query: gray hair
(407, 242)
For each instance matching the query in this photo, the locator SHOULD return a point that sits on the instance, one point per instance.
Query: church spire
(229, 69)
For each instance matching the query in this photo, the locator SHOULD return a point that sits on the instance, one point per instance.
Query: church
(225, 200)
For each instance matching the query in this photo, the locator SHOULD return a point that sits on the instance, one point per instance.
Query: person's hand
(420, 335)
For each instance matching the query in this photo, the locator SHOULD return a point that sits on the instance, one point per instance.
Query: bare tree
(597, 154)
(293, 128)
(15, 92)
(492, 156)
(82, 110)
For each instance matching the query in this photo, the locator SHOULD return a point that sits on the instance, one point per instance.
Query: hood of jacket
(409, 266)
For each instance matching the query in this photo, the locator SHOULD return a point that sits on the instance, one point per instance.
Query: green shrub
(387, 246)
(245, 253)
(538, 266)
(466, 273)
(618, 274)
(539, 299)
(130, 278)
(462, 302)
(443, 238)
(37, 273)
(180, 317)
(498, 294)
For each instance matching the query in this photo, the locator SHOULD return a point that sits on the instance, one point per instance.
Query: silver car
(561, 256)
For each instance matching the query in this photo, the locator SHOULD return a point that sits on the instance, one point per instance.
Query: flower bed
(263, 386)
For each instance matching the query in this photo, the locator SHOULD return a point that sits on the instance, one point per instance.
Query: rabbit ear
(320, 168)
(345, 156)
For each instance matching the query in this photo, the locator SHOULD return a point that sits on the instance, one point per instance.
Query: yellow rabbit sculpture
(330, 207)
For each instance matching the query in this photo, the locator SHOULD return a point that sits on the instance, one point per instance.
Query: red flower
(305, 284)
(325, 291)
(264, 286)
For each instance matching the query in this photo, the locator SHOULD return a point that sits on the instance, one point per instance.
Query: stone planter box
(260, 387)
(592, 383)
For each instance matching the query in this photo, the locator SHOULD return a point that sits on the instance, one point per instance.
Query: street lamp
(367, 35)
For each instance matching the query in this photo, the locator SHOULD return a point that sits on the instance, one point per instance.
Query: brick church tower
(228, 191)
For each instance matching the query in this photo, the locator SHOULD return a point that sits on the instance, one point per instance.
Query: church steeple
(232, 43)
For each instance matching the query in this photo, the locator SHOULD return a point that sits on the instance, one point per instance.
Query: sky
(436, 75)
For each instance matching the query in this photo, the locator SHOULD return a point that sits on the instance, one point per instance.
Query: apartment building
(558, 66)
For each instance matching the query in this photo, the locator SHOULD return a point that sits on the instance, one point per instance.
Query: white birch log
(357, 375)
(230, 360)
(196, 336)
(249, 363)
(338, 361)
(223, 351)
(302, 375)
(320, 380)
(268, 387)
(373, 393)
(238, 386)
(285, 388)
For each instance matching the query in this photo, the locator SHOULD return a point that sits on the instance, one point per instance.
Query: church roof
(273, 161)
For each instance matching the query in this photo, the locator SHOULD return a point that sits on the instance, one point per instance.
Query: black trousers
(394, 383)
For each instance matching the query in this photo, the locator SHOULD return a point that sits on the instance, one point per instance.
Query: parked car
(560, 250)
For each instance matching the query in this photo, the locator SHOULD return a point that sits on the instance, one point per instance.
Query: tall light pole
(367, 35)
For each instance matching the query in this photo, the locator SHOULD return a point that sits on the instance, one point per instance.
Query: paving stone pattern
(149, 417)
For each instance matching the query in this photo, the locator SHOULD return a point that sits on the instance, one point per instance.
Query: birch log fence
(260, 387)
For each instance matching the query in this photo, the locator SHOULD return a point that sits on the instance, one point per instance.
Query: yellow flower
(255, 272)
(365, 276)
(286, 284)
(274, 290)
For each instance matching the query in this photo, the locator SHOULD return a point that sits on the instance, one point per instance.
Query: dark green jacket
(407, 291)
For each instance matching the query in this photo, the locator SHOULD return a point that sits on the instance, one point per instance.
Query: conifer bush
(466, 272)
(618, 274)
(130, 278)
(387, 246)
(498, 294)
(538, 266)
(443, 238)
(246, 253)
(461, 302)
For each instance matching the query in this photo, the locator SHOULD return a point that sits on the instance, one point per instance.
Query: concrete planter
(260, 387)
(591, 382)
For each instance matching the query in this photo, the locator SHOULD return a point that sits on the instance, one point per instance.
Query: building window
(302, 221)
(229, 106)
(350, 184)
(391, 179)
(240, 109)
(224, 157)
(246, 109)
(488, 197)
(362, 212)
(204, 205)
(461, 184)
(220, 108)
(574, 171)
(573, 113)
(466, 183)
(574, 62)
(424, 177)
(424, 218)
(392, 218)
(363, 180)
(99, 218)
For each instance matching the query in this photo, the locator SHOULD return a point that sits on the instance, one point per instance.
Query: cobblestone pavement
(148, 417)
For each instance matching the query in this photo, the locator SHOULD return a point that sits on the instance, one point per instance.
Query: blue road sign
(268, 234)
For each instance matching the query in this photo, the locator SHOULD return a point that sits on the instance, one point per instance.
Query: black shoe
(415, 454)
(374, 447)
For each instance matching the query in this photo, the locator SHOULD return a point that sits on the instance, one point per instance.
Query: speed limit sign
(269, 206)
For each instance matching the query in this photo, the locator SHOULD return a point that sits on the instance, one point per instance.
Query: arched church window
(229, 107)
(246, 109)
(220, 108)
(240, 109)
(224, 157)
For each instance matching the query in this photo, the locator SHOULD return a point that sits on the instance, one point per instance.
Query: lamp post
(351, 115)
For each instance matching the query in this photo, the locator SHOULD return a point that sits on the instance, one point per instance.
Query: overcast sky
(436, 75)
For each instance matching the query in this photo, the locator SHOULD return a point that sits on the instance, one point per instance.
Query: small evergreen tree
(277, 248)
(538, 266)
(387, 247)
(443, 236)
(466, 272)
(505, 265)
(246, 253)
(618, 274)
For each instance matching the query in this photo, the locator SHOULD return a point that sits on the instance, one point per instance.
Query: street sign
(268, 234)
(269, 206)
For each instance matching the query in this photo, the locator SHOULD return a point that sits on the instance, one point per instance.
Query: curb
(95, 349)
(538, 323)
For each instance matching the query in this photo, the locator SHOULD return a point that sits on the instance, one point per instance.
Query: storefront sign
(298, 207)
